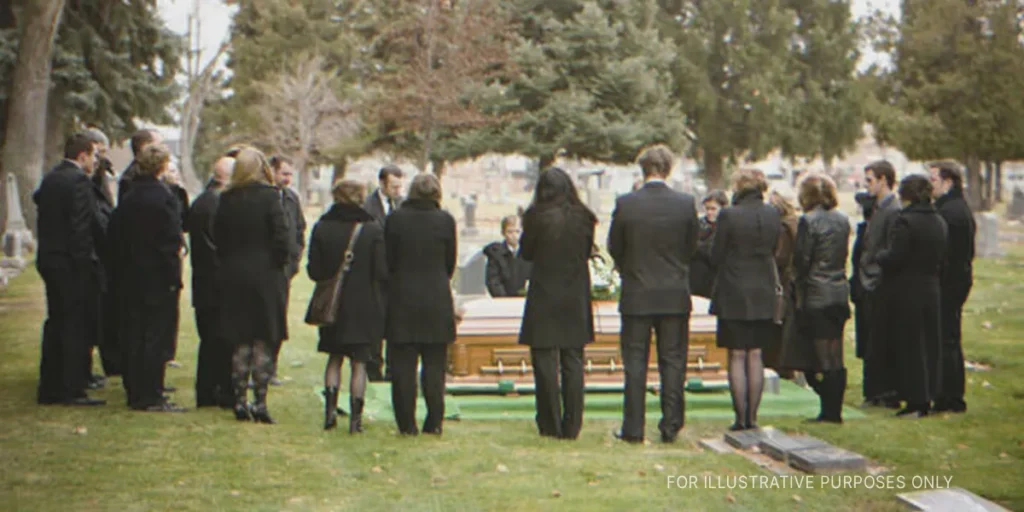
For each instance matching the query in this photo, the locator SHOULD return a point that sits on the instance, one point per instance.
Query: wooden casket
(486, 356)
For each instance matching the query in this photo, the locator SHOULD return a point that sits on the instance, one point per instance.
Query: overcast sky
(216, 17)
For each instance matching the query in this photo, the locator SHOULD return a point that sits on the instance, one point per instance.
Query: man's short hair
(656, 161)
(98, 136)
(140, 139)
(949, 170)
(749, 180)
(884, 170)
(277, 161)
(77, 144)
(389, 170)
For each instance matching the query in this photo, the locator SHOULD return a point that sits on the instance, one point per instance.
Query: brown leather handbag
(323, 305)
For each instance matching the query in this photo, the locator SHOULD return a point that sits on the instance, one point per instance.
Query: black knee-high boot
(836, 391)
(330, 408)
(355, 421)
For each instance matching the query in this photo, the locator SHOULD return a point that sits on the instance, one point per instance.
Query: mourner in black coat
(652, 238)
(283, 173)
(251, 235)
(421, 249)
(702, 269)
(913, 265)
(822, 291)
(957, 280)
(507, 271)
(68, 263)
(359, 324)
(147, 242)
(558, 319)
(879, 359)
(867, 207)
(381, 203)
(745, 290)
(213, 367)
(139, 140)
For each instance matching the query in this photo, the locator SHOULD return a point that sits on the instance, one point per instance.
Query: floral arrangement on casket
(605, 283)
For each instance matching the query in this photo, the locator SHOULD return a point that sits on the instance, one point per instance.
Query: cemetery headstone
(779, 446)
(1016, 209)
(826, 460)
(469, 204)
(747, 439)
(473, 276)
(17, 238)
(986, 241)
(948, 500)
(594, 199)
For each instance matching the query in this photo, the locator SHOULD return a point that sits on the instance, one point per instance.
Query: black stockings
(746, 384)
(357, 381)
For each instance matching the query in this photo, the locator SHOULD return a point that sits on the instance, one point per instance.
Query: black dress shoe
(85, 401)
(617, 434)
(736, 427)
(242, 412)
(912, 413)
(955, 408)
(668, 439)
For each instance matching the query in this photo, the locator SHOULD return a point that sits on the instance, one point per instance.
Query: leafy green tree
(594, 83)
(953, 91)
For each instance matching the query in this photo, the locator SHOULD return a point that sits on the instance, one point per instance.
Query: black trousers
(152, 323)
(951, 352)
(63, 371)
(673, 334)
(558, 377)
(109, 344)
(403, 384)
(213, 369)
(880, 359)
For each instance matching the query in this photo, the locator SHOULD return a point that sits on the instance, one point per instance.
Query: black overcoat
(421, 248)
(146, 243)
(251, 235)
(360, 318)
(911, 268)
(558, 312)
(507, 273)
(203, 251)
(297, 227)
(744, 249)
(702, 271)
(959, 270)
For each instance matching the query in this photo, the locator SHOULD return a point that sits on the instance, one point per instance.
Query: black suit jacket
(653, 238)
(203, 252)
(297, 224)
(66, 205)
(124, 185)
(507, 273)
(375, 207)
(959, 270)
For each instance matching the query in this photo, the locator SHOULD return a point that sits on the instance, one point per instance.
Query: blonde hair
(153, 159)
(348, 192)
(782, 204)
(251, 166)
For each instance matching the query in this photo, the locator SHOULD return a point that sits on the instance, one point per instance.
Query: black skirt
(357, 352)
(745, 334)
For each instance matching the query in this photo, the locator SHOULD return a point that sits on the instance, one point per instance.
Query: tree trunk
(30, 83)
(56, 129)
(437, 167)
(974, 185)
(338, 170)
(986, 192)
(999, 182)
(713, 170)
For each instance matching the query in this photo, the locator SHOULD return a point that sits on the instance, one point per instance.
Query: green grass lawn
(109, 458)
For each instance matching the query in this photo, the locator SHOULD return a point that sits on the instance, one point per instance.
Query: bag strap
(349, 254)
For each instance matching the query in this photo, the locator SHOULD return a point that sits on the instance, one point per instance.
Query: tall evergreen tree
(594, 83)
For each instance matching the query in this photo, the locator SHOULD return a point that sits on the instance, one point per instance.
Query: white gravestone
(986, 241)
(17, 238)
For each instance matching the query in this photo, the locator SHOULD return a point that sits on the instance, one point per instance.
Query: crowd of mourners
(111, 250)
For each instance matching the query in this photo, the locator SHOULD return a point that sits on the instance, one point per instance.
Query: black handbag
(323, 305)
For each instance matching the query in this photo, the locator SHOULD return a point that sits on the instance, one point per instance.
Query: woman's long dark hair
(556, 195)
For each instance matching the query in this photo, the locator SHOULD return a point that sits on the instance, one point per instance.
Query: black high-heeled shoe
(242, 412)
(262, 415)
